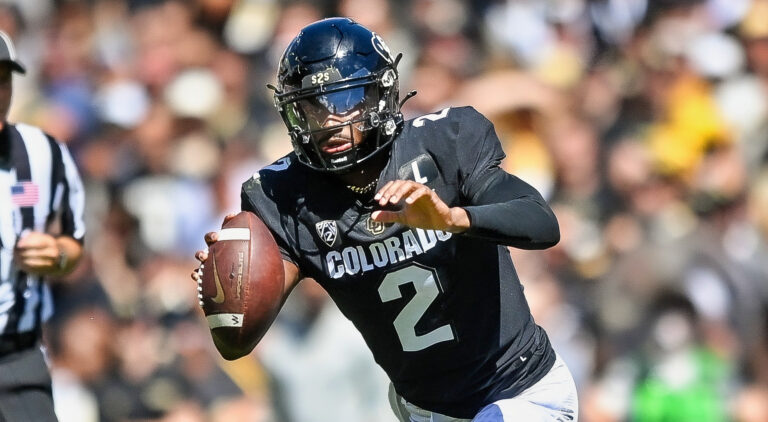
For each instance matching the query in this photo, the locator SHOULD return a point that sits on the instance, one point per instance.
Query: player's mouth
(336, 144)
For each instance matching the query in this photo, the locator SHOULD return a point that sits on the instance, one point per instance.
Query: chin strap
(407, 97)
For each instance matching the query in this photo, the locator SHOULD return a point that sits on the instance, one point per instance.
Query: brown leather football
(242, 285)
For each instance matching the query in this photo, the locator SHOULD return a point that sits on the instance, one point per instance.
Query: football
(242, 285)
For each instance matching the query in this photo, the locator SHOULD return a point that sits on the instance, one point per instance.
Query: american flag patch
(25, 194)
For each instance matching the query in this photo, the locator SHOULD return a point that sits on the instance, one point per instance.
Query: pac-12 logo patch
(327, 231)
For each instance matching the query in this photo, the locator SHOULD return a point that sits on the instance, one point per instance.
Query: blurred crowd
(643, 122)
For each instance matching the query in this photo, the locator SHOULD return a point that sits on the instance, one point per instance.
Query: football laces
(200, 284)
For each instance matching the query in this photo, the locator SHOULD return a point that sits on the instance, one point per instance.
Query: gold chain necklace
(363, 189)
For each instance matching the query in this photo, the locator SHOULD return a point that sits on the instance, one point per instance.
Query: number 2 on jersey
(427, 289)
(419, 121)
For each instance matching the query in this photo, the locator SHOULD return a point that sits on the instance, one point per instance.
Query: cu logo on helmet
(380, 47)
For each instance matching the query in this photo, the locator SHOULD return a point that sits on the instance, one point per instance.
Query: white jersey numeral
(427, 289)
(279, 165)
(419, 121)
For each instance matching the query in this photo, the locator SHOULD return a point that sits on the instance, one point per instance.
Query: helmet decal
(331, 74)
(381, 47)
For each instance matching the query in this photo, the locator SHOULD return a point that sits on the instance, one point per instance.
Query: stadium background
(643, 122)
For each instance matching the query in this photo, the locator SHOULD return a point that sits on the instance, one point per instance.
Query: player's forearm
(511, 212)
(523, 223)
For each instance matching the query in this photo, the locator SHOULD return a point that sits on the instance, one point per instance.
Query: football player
(406, 224)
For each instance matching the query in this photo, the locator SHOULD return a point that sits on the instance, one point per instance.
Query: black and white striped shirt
(40, 190)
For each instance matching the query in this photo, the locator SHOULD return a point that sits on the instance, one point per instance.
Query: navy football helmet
(337, 67)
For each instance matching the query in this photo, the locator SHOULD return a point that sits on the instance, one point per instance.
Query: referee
(41, 230)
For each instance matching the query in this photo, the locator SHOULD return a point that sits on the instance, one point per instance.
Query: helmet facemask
(367, 102)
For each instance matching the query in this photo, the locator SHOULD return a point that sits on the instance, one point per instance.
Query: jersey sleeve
(69, 193)
(501, 207)
(254, 199)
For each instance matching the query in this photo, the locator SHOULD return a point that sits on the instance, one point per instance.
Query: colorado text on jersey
(355, 259)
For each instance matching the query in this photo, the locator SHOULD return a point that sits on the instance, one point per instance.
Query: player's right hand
(202, 255)
(420, 207)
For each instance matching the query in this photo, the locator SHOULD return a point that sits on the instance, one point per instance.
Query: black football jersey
(444, 314)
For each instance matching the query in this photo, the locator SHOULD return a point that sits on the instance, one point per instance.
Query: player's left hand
(37, 253)
(420, 207)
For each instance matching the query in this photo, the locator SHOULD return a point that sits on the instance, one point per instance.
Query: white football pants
(553, 398)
